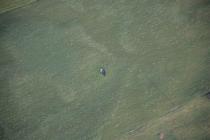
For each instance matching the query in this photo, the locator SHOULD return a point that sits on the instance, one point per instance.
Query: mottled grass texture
(156, 54)
(8, 5)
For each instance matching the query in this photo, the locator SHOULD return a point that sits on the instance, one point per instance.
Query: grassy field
(8, 5)
(156, 54)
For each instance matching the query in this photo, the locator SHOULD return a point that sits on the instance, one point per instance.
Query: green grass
(157, 59)
(7, 5)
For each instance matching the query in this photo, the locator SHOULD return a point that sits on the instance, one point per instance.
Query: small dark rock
(103, 71)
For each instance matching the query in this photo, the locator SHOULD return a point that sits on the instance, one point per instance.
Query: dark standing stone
(103, 71)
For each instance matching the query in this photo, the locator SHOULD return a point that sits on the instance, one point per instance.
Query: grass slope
(156, 54)
(7, 5)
